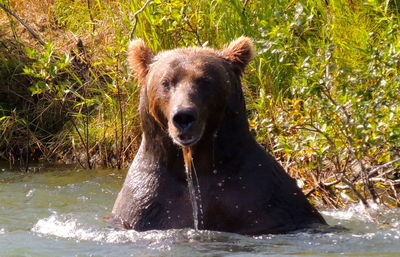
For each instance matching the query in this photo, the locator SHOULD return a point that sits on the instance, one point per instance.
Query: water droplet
(215, 171)
(82, 198)
(220, 184)
(249, 211)
(167, 211)
(240, 178)
(237, 206)
(30, 193)
(243, 187)
(259, 165)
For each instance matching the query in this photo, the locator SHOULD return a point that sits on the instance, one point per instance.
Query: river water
(62, 211)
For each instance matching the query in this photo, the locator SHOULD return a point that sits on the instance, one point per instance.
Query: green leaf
(77, 114)
(86, 101)
(3, 117)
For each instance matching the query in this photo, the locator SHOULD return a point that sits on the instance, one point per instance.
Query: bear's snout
(184, 119)
(186, 128)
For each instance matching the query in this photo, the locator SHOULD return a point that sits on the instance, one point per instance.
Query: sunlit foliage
(323, 93)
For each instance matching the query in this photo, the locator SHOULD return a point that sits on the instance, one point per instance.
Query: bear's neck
(214, 151)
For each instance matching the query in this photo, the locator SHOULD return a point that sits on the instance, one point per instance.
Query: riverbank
(322, 93)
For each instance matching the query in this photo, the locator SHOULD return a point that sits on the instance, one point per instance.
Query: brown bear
(192, 98)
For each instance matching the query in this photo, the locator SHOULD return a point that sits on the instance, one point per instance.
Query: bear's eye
(166, 83)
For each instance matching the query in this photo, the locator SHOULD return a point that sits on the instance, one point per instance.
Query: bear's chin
(189, 137)
(186, 140)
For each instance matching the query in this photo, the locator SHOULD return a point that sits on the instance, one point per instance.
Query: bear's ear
(239, 52)
(139, 58)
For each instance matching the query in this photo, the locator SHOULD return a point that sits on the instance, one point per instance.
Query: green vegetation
(323, 93)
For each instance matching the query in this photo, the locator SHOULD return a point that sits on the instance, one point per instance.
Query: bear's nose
(184, 119)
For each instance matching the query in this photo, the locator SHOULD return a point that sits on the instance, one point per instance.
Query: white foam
(357, 211)
(70, 228)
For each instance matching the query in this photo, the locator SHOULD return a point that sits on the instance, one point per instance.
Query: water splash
(72, 227)
(356, 211)
(194, 190)
(188, 242)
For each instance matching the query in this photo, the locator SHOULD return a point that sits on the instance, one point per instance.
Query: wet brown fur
(243, 189)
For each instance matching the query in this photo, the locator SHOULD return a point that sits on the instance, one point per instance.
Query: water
(194, 191)
(192, 196)
(61, 211)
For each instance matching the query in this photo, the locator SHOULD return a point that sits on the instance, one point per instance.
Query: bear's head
(187, 90)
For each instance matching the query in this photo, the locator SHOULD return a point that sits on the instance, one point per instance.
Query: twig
(315, 129)
(91, 15)
(87, 133)
(84, 145)
(396, 181)
(349, 184)
(328, 184)
(372, 172)
(321, 184)
(31, 31)
(394, 193)
(121, 117)
(195, 32)
(135, 18)
(85, 85)
(244, 6)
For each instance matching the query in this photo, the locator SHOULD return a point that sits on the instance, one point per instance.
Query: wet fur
(243, 189)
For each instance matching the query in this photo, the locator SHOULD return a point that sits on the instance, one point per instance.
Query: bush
(322, 93)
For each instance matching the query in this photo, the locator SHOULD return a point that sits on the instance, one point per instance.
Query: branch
(91, 15)
(84, 145)
(372, 172)
(31, 31)
(349, 184)
(244, 6)
(396, 181)
(135, 18)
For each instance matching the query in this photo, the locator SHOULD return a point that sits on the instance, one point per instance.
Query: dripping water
(198, 196)
(192, 195)
(194, 190)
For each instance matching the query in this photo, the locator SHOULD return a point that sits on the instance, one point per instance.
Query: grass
(322, 93)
